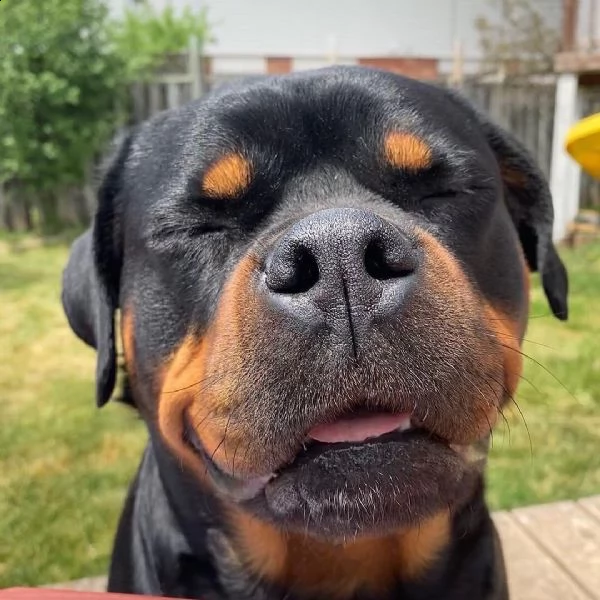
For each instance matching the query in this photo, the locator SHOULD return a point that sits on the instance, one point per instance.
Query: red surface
(42, 594)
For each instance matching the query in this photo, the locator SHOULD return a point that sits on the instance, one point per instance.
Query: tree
(60, 87)
(65, 72)
(523, 38)
(147, 36)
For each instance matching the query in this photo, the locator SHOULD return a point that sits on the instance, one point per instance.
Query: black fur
(162, 249)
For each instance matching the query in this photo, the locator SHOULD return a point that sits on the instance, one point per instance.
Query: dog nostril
(306, 273)
(300, 274)
(380, 263)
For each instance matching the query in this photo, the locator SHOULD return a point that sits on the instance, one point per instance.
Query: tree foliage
(65, 68)
(59, 93)
(146, 35)
(522, 38)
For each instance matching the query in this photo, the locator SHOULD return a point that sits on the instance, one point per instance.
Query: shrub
(60, 87)
(65, 68)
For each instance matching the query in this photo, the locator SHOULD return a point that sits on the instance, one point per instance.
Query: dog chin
(343, 490)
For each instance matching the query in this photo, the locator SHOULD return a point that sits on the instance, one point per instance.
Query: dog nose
(344, 263)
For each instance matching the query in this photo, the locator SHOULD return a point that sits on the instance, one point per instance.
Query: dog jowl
(323, 287)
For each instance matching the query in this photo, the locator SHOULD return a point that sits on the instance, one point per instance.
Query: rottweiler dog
(322, 287)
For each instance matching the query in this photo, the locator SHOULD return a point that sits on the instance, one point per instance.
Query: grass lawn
(64, 465)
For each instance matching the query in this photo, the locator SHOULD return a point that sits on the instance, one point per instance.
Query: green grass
(64, 465)
(551, 450)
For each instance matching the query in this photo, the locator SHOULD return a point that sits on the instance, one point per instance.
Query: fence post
(173, 98)
(154, 94)
(139, 106)
(195, 68)
(564, 172)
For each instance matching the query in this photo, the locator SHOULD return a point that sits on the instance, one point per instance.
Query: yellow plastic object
(583, 144)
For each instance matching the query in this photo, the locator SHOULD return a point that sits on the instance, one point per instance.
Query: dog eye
(441, 195)
(166, 237)
(206, 230)
(482, 192)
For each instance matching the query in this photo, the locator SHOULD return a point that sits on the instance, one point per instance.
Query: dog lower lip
(328, 490)
(236, 488)
(349, 432)
(354, 429)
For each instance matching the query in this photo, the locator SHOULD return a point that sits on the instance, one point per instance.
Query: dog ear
(530, 205)
(91, 279)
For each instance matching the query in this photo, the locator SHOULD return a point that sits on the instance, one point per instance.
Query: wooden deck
(552, 551)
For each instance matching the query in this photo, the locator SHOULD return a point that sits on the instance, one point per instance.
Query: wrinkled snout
(341, 269)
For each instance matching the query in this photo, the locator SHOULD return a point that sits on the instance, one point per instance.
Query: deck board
(532, 573)
(570, 536)
(552, 551)
(591, 505)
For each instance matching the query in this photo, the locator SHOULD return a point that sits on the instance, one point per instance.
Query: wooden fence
(524, 107)
(181, 79)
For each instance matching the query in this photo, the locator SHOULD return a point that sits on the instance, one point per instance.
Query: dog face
(323, 281)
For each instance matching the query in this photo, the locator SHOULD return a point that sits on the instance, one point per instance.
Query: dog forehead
(289, 123)
(362, 119)
(321, 105)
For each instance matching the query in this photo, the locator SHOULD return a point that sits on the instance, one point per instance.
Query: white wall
(304, 28)
(588, 23)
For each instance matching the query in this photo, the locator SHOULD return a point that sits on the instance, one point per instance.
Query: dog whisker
(539, 364)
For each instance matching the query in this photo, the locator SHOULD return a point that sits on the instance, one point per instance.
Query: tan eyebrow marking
(407, 151)
(227, 177)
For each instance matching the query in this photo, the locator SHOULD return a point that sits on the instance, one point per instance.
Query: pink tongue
(359, 429)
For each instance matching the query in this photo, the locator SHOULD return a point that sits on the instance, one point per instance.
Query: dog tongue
(360, 428)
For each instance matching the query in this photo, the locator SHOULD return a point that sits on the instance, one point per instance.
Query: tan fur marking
(197, 379)
(407, 151)
(419, 546)
(445, 277)
(442, 268)
(127, 335)
(339, 570)
(508, 334)
(506, 329)
(183, 372)
(227, 177)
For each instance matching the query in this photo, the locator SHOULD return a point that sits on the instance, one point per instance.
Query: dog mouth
(352, 430)
(361, 474)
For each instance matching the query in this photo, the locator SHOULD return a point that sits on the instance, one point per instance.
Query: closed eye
(444, 195)
(207, 229)
(166, 236)
(457, 193)
(441, 195)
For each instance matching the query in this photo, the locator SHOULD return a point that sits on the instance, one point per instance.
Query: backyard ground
(64, 465)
